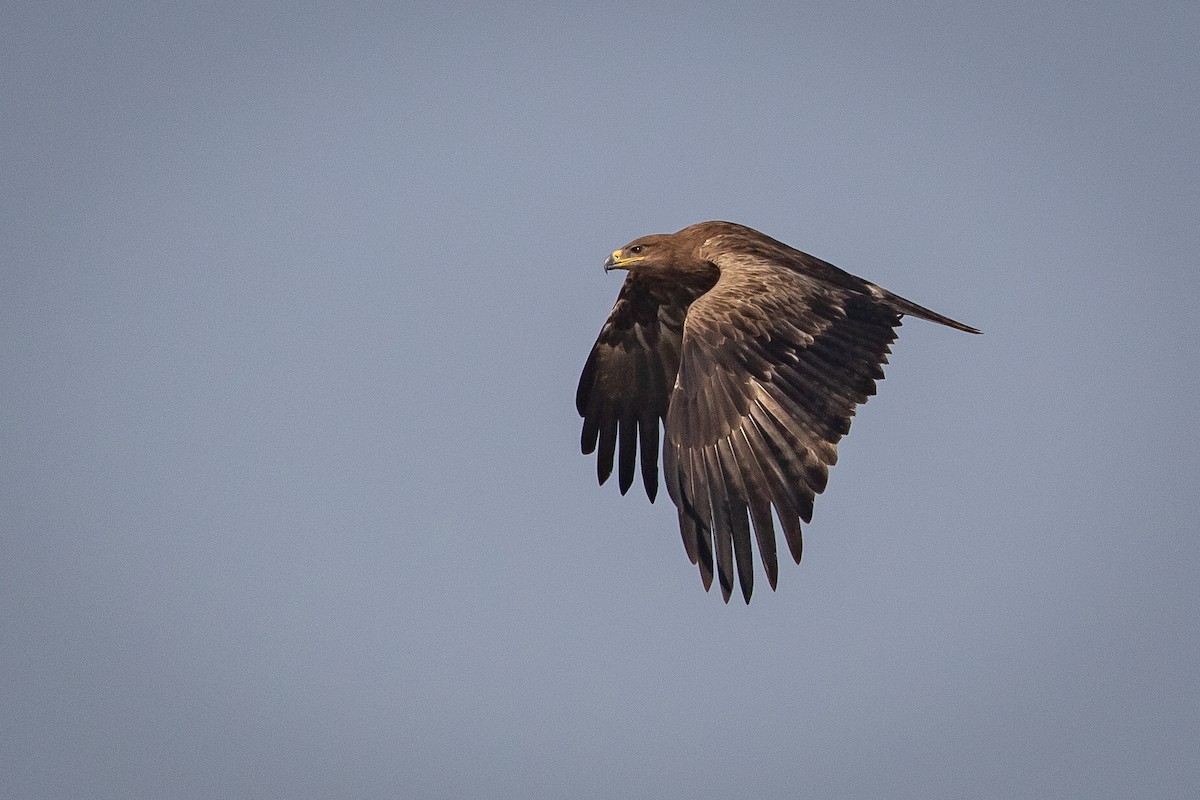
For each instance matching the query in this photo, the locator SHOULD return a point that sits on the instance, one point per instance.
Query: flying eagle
(753, 355)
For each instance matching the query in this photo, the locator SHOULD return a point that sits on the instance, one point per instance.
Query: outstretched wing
(773, 363)
(625, 388)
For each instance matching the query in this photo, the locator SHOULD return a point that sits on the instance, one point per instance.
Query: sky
(295, 299)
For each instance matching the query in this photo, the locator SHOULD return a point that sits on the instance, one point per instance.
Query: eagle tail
(903, 306)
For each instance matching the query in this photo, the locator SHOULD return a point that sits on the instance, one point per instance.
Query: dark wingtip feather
(586, 380)
(627, 459)
(726, 588)
(608, 447)
(794, 535)
(648, 442)
(704, 557)
(590, 435)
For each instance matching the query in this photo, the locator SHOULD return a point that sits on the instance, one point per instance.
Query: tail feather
(908, 307)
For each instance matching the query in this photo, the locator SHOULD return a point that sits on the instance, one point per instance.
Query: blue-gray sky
(294, 301)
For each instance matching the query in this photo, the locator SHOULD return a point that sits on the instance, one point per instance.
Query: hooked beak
(618, 260)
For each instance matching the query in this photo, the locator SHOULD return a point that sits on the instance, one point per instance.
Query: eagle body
(752, 356)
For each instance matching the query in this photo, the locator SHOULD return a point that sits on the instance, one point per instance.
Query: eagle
(753, 356)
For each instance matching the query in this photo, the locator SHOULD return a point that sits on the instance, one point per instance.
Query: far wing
(773, 364)
(626, 384)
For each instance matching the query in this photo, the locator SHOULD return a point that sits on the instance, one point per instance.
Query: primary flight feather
(753, 356)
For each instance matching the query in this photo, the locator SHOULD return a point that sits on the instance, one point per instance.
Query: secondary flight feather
(752, 356)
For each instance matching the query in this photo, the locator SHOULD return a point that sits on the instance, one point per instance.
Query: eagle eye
(637, 248)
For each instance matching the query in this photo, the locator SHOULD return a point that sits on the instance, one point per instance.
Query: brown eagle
(753, 355)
